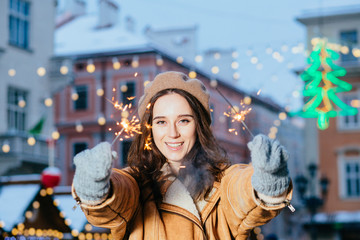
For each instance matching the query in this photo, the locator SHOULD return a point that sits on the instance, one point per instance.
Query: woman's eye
(184, 121)
(160, 122)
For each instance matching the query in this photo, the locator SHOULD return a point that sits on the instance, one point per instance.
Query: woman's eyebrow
(179, 116)
(186, 115)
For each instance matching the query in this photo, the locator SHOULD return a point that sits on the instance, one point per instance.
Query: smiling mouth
(174, 145)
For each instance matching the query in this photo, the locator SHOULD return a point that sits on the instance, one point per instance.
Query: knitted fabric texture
(171, 80)
(92, 174)
(269, 159)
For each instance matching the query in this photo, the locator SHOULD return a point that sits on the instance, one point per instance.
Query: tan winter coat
(231, 211)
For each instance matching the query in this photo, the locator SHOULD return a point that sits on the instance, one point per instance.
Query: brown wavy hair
(204, 163)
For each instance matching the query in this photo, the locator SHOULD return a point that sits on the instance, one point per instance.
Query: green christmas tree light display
(321, 86)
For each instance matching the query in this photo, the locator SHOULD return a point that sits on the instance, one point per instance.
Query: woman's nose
(173, 131)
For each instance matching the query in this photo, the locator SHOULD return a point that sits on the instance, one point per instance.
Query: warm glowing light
(90, 67)
(179, 59)
(277, 122)
(234, 65)
(55, 135)
(48, 102)
(344, 49)
(192, 74)
(49, 191)
(198, 59)
(116, 63)
(124, 88)
(146, 83)
(31, 141)
(355, 103)
(5, 147)
(36, 204)
(101, 120)
(254, 60)
(247, 100)
(356, 52)
(257, 230)
(21, 102)
(135, 62)
(67, 221)
(213, 83)
(236, 76)
(89, 236)
(282, 116)
(43, 192)
(215, 69)
(64, 70)
(74, 233)
(79, 127)
(159, 60)
(273, 130)
(258, 92)
(41, 71)
(74, 95)
(100, 92)
(14, 231)
(12, 72)
(32, 231)
(56, 202)
(28, 214)
(88, 227)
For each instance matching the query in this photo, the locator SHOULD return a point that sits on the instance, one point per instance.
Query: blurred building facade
(336, 150)
(26, 45)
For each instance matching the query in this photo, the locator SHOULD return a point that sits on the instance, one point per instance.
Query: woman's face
(173, 127)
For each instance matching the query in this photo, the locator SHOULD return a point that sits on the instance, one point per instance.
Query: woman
(179, 183)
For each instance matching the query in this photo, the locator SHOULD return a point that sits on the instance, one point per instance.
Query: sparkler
(130, 124)
(235, 114)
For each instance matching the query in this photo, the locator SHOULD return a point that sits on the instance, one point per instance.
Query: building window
(353, 121)
(128, 92)
(350, 176)
(124, 146)
(349, 39)
(82, 102)
(19, 23)
(16, 109)
(78, 147)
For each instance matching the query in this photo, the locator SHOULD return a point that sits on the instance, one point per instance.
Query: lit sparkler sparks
(235, 115)
(130, 124)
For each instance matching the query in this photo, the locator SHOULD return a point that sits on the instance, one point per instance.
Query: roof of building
(323, 14)
(88, 39)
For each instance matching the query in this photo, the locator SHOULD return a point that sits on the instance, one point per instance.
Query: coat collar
(175, 193)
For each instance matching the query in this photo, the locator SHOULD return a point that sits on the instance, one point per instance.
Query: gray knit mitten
(269, 159)
(92, 174)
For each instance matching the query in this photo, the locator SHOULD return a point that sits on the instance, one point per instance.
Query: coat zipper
(288, 204)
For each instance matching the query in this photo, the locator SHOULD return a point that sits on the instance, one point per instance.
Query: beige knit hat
(171, 80)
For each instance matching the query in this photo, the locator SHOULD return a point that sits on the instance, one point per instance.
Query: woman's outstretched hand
(269, 159)
(92, 173)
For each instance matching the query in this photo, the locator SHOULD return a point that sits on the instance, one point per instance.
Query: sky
(250, 27)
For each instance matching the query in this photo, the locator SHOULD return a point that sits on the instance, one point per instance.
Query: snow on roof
(77, 217)
(14, 199)
(81, 36)
(338, 217)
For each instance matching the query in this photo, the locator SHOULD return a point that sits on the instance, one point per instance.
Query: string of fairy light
(20, 230)
(277, 55)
